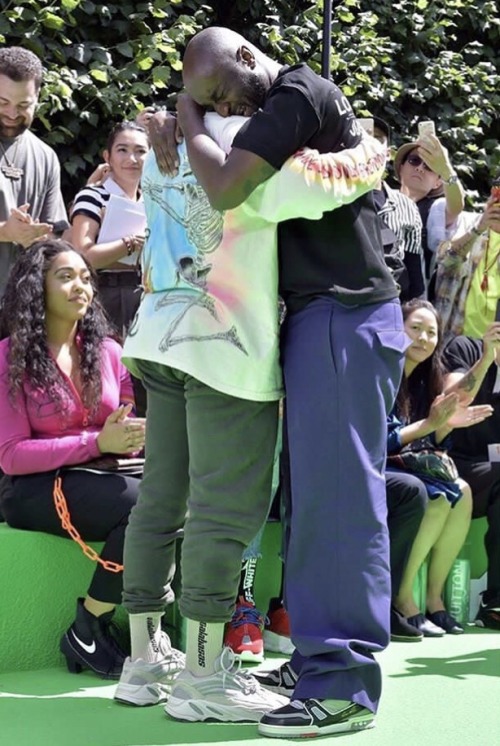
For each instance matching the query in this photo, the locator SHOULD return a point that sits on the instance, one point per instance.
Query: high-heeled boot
(89, 643)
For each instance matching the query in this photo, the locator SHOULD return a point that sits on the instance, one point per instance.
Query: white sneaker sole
(143, 695)
(275, 643)
(202, 710)
(362, 722)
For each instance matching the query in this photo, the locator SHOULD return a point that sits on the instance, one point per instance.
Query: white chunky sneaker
(230, 695)
(144, 684)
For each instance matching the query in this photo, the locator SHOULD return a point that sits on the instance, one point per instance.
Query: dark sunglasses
(416, 161)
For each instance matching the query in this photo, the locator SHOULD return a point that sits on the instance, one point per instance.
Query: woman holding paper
(109, 222)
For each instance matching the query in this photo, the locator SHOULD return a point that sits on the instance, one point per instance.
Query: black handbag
(427, 462)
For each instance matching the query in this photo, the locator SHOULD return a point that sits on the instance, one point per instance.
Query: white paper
(122, 217)
(494, 452)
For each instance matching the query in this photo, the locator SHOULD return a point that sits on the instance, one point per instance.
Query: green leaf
(100, 75)
(50, 20)
(126, 49)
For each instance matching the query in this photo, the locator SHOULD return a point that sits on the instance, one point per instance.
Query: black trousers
(99, 506)
(483, 478)
(120, 295)
(406, 502)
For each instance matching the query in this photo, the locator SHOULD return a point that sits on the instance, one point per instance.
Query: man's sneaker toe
(312, 717)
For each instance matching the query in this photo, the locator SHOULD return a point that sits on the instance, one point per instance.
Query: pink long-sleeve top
(36, 435)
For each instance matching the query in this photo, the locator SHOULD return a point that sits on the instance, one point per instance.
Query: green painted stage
(439, 692)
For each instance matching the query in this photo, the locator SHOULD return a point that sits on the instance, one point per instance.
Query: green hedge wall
(403, 60)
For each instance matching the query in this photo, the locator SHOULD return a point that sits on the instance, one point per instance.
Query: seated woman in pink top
(65, 399)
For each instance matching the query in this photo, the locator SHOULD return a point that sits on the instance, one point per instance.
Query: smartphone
(426, 128)
(495, 191)
(497, 312)
(367, 125)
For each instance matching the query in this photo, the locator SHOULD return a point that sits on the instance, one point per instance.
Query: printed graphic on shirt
(181, 219)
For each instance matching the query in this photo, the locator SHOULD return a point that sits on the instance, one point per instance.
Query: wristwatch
(452, 179)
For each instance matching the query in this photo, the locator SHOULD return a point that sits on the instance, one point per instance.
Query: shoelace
(231, 668)
(175, 658)
(247, 615)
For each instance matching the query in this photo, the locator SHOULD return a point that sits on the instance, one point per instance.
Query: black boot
(88, 643)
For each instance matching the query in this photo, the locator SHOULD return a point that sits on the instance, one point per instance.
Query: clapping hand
(22, 229)
(442, 409)
(468, 416)
(121, 433)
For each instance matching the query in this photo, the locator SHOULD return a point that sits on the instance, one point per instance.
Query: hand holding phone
(426, 128)
(495, 191)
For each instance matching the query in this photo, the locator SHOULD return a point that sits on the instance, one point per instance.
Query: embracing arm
(227, 182)
(311, 183)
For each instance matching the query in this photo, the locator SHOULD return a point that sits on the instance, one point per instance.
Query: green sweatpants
(207, 477)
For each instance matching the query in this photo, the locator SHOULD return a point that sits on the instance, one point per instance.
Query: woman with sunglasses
(427, 177)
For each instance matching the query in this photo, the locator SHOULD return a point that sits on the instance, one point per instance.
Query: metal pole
(327, 39)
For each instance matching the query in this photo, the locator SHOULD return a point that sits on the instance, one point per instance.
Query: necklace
(487, 267)
(9, 168)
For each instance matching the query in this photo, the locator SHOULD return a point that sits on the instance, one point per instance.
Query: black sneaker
(315, 717)
(88, 643)
(403, 631)
(488, 614)
(281, 680)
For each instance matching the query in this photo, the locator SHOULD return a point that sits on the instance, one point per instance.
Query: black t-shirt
(341, 254)
(471, 443)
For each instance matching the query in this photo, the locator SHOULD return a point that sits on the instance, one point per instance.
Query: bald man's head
(223, 71)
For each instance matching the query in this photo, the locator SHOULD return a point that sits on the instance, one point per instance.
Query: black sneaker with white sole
(488, 614)
(315, 717)
(403, 631)
(280, 680)
(89, 643)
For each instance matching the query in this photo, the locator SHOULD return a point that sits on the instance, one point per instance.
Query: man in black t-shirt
(475, 363)
(343, 345)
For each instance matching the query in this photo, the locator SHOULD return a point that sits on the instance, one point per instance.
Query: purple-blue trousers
(342, 367)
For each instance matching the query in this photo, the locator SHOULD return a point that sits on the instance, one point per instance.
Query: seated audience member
(426, 175)
(114, 259)
(65, 399)
(114, 254)
(468, 276)
(474, 365)
(423, 416)
(401, 230)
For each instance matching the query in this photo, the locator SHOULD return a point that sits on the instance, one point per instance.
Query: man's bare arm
(227, 182)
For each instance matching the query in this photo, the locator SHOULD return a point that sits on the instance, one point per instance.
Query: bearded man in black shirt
(343, 346)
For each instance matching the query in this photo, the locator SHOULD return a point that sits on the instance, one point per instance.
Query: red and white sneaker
(244, 633)
(277, 632)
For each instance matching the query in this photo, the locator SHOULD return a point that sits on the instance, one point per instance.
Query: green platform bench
(42, 575)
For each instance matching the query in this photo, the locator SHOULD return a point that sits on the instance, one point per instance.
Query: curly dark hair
(23, 320)
(20, 64)
(418, 391)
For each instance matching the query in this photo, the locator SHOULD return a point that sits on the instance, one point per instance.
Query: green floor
(440, 692)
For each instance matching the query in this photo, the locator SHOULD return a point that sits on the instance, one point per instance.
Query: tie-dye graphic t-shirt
(210, 302)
